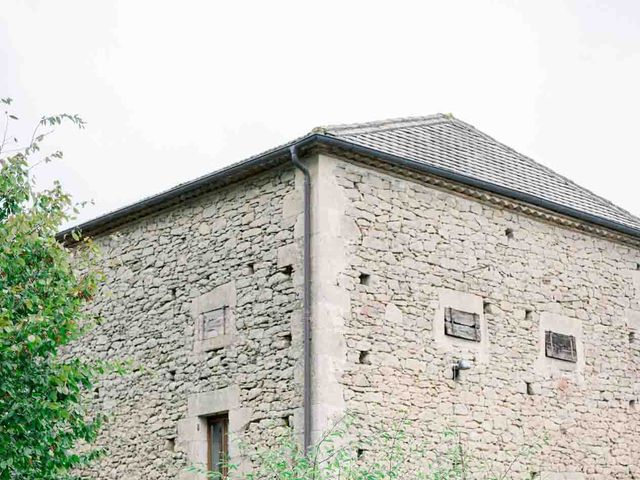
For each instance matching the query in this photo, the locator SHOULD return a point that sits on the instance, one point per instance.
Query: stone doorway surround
(192, 430)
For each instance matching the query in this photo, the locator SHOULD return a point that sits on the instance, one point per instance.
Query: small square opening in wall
(508, 233)
(465, 325)
(170, 444)
(288, 421)
(287, 270)
(486, 307)
(360, 453)
(363, 358)
(529, 388)
(632, 337)
(251, 268)
(560, 346)
(365, 279)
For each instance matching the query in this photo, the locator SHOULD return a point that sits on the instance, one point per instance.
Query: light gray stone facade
(230, 252)
(205, 299)
(427, 249)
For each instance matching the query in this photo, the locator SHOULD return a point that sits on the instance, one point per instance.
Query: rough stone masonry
(204, 297)
(230, 249)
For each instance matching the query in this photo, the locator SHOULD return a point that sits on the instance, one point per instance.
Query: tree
(46, 425)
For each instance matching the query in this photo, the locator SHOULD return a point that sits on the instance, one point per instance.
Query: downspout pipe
(306, 297)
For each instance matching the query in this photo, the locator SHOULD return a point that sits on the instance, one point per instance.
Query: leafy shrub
(386, 455)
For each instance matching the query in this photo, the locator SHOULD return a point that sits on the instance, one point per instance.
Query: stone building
(451, 280)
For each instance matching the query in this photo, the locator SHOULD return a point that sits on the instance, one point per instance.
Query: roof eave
(275, 157)
(480, 184)
(154, 203)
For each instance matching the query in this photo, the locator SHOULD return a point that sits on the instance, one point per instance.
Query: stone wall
(411, 251)
(229, 253)
(389, 256)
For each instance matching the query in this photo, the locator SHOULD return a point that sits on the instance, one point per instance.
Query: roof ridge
(382, 125)
(468, 126)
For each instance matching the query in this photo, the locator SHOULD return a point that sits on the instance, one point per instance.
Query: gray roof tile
(445, 142)
(450, 147)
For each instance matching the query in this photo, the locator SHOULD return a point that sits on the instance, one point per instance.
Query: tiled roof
(439, 144)
(445, 142)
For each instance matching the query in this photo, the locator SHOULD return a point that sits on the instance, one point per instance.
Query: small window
(217, 442)
(214, 323)
(461, 324)
(560, 346)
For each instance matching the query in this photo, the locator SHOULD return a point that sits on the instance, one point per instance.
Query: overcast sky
(175, 89)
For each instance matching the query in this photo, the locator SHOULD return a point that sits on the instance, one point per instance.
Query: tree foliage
(45, 424)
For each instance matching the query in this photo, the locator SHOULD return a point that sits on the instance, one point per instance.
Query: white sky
(175, 89)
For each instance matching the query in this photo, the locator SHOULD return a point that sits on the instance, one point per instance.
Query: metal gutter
(306, 299)
(225, 176)
(282, 154)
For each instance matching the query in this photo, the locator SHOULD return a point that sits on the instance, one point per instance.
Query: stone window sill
(214, 343)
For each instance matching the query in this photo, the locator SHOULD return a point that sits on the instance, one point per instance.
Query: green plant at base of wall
(384, 455)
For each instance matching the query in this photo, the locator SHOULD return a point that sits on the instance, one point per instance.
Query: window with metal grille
(214, 322)
(461, 324)
(560, 346)
(217, 442)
